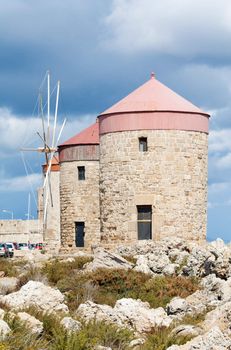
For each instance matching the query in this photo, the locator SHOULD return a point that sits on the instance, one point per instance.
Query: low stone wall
(21, 231)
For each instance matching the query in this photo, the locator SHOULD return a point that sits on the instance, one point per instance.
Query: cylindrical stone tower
(153, 167)
(79, 190)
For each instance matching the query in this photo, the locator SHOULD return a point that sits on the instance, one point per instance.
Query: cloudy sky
(101, 50)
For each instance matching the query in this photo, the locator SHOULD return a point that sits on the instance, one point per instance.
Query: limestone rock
(199, 262)
(127, 312)
(100, 347)
(8, 285)
(136, 343)
(36, 293)
(186, 330)
(220, 317)
(212, 340)
(169, 270)
(177, 305)
(36, 326)
(142, 265)
(70, 324)
(105, 259)
(2, 314)
(4, 329)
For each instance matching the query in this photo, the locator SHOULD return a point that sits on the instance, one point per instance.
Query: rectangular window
(143, 144)
(79, 234)
(81, 172)
(144, 221)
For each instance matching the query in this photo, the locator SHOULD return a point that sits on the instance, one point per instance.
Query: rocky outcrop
(4, 329)
(127, 312)
(8, 285)
(35, 326)
(105, 259)
(37, 294)
(70, 324)
(211, 340)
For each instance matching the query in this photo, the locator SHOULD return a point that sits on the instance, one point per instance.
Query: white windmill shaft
(49, 139)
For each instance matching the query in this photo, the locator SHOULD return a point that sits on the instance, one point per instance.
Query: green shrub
(92, 334)
(7, 266)
(21, 338)
(106, 286)
(158, 291)
(162, 338)
(56, 270)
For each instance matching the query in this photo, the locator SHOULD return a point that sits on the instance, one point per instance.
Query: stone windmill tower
(153, 167)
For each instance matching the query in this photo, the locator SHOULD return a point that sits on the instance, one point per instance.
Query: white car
(10, 247)
(23, 246)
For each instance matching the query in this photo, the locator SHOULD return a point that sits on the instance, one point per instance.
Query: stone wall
(79, 201)
(52, 223)
(171, 177)
(20, 231)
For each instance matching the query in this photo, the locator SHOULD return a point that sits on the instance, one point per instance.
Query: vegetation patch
(161, 338)
(57, 270)
(106, 286)
(55, 337)
(8, 267)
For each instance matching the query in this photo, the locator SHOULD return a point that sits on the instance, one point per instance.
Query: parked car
(23, 246)
(10, 247)
(39, 246)
(4, 251)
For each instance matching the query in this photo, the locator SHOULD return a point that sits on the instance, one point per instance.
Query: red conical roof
(152, 96)
(88, 136)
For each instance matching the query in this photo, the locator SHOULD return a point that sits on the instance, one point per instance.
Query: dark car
(4, 250)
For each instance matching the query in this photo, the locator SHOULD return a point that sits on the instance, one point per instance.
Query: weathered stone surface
(155, 263)
(136, 343)
(70, 324)
(2, 314)
(142, 265)
(105, 259)
(4, 329)
(36, 326)
(186, 330)
(8, 285)
(177, 305)
(130, 313)
(220, 317)
(171, 177)
(36, 293)
(79, 201)
(212, 340)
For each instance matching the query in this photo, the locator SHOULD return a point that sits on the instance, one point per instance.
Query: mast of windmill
(50, 142)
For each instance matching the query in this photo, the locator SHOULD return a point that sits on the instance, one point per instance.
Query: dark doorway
(144, 221)
(79, 234)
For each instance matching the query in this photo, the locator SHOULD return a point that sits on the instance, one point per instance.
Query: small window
(81, 172)
(144, 221)
(143, 144)
(79, 233)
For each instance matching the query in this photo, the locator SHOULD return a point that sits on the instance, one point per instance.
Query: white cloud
(16, 130)
(180, 27)
(20, 132)
(220, 140)
(219, 194)
(20, 183)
